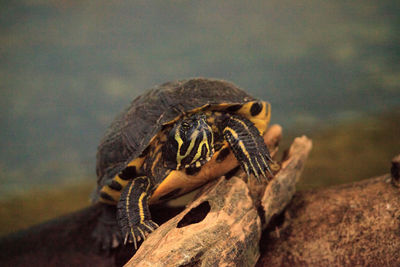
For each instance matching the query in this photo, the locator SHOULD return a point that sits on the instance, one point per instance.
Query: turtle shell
(131, 132)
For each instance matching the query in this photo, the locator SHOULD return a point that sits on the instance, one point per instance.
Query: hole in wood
(195, 215)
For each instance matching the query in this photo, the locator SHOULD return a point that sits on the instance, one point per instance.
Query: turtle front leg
(248, 146)
(133, 212)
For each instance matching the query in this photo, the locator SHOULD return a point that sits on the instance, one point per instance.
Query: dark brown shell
(132, 130)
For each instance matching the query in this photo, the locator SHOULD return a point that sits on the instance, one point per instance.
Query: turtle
(169, 141)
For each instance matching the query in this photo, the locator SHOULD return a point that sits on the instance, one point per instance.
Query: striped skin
(190, 143)
(181, 158)
(166, 180)
(248, 146)
(110, 194)
(222, 161)
(133, 213)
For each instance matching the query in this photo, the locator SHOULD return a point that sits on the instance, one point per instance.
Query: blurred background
(329, 68)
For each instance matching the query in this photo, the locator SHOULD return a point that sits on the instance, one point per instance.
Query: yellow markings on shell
(262, 119)
(222, 106)
(112, 193)
(196, 110)
(115, 194)
(137, 162)
(123, 183)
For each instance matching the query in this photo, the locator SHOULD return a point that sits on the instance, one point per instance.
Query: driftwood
(222, 226)
(238, 221)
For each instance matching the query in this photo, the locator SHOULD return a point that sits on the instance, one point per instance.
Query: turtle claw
(140, 232)
(248, 146)
(259, 165)
(106, 232)
(133, 213)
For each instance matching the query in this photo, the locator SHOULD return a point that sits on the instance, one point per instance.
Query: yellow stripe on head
(205, 142)
(178, 138)
(189, 143)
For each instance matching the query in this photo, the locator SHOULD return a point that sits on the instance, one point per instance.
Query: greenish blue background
(68, 67)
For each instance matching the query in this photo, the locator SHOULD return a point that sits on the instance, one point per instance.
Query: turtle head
(190, 143)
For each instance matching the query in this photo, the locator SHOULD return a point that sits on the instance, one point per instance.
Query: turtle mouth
(201, 161)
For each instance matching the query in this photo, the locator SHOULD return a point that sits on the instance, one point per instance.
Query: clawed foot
(248, 146)
(106, 232)
(258, 164)
(138, 232)
(133, 213)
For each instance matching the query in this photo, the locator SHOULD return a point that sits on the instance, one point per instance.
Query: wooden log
(354, 224)
(221, 227)
(225, 231)
(281, 189)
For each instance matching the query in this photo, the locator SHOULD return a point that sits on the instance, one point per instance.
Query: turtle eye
(185, 125)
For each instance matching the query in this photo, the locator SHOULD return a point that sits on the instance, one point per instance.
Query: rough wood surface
(281, 189)
(228, 234)
(348, 225)
(219, 228)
